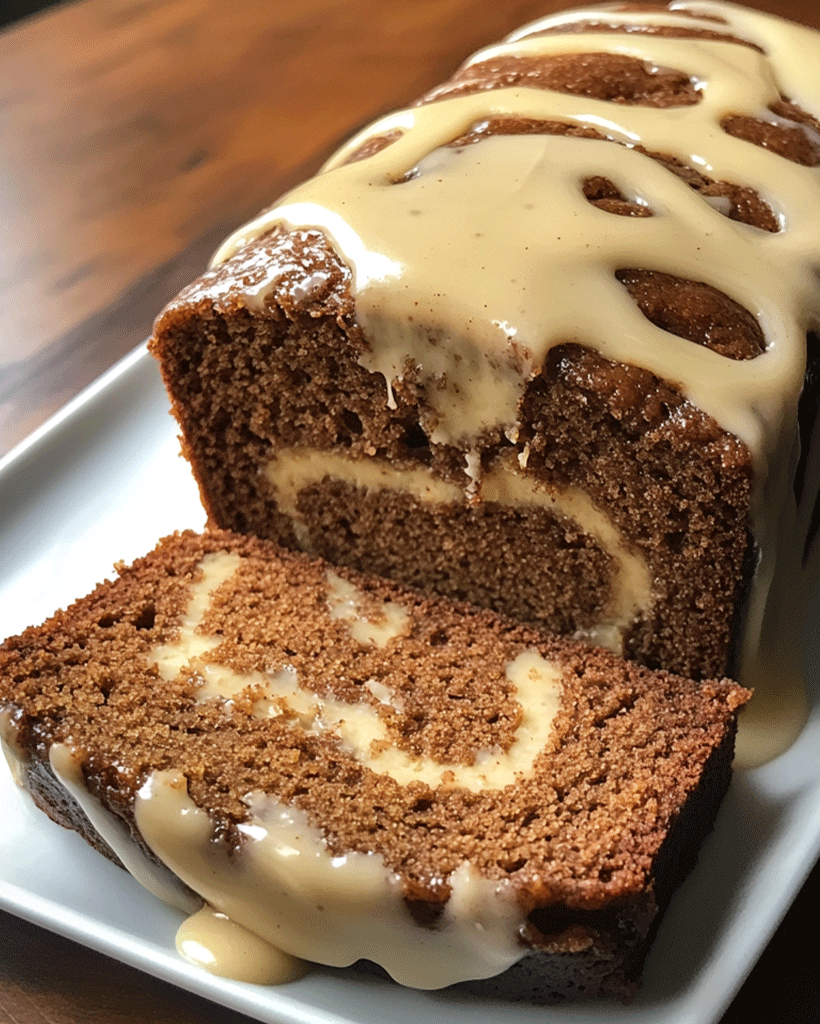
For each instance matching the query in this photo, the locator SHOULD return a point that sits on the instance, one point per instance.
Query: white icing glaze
(15, 755)
(434, 236)
(191, 645)
(437, 259)
(154, 877)
(286, 887)
(211, 940)
(346, 602)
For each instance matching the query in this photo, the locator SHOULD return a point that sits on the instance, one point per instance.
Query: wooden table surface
(134, 135)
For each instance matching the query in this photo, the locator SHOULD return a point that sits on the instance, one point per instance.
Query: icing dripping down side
(155, 878)
(288, 889)
(15, 755)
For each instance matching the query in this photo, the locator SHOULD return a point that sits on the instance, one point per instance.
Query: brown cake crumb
(593, 839)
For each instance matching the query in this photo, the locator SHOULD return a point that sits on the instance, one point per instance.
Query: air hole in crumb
(674, 541)
(352, 422)
(146, 618)
(107, 621)
(512, 865)
(415, 437)
(439, 638)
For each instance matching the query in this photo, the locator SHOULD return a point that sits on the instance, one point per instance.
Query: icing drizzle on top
(470, 262)
(473, 261)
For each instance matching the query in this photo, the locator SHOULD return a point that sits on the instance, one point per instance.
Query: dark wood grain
(133, 136)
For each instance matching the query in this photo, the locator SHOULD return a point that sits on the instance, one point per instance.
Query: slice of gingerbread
(352, 770)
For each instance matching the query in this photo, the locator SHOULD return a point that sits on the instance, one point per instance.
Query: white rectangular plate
(102, 482)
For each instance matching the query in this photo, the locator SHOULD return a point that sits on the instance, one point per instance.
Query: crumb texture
(589, 838)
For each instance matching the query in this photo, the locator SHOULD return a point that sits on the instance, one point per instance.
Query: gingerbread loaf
(539, 341)
(353, 770)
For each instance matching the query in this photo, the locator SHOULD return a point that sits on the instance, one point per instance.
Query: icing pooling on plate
(212, 940)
